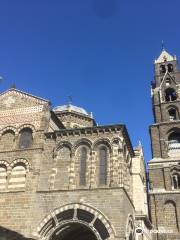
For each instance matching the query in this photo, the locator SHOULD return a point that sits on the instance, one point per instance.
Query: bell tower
(166, 106)
(164, 168)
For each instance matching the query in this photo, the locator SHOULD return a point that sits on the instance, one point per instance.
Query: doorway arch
(73, 230)
(75, 219)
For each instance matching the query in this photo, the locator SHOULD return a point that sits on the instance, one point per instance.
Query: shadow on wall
(6, 234)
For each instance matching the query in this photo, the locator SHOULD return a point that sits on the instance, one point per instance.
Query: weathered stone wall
(45, 176)
(75, 120)
(23, 212)
(165, 213)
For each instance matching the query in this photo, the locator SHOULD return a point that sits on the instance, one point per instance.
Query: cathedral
(63, 177)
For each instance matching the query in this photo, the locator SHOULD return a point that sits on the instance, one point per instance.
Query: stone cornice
(165, 123)
(91, 130)
(163, 191)
(73, 113)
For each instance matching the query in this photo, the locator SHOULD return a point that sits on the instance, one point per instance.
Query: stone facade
(164, 168)
(64, 178)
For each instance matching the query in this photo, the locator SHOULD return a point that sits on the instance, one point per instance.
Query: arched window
(25, 140)
(162, 69)
(174, 137)
(18, 177)
(174, 142)
(3, 177)
(170, 67)
(103, 166)
(176, 181)
(170, 94)
(83, 166)
(173, 114)
(170, 216)
(7, 139)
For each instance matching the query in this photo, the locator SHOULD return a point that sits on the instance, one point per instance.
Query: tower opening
(173, 115)
(175, 137)
(174, 142)
(170, 94)
(162, 69)
(170, 68)
(71, 231)
(176, 181)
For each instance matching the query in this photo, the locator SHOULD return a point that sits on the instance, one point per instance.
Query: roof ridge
(22, 92)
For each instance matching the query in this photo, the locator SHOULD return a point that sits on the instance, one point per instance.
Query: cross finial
(163, 48)
(69, 100)
(13, 85)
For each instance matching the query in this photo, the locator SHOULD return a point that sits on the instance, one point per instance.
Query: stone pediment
(17, 108)
(16, 99)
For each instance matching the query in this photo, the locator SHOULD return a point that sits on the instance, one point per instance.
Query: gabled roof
(165, 56)
(16, 91)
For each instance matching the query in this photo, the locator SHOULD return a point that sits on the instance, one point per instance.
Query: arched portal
(75, 221)
(71, 231)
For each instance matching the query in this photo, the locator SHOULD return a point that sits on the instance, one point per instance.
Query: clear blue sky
(99, 51)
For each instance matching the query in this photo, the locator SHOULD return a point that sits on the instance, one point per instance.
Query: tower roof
(165, 56)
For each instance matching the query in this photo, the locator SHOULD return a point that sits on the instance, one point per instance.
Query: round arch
(171, 130)
(30, 126)
(75, 215)
(5, 163)
(74, 230)
(61, 145)
(102, 141)
(82, 142)
(9, 128)
(21, 161)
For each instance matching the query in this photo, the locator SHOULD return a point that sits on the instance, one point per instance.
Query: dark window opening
(162, 69)
(83, 159)
(174, 141)
(66, 215)
(176, 181)
(101, 229)
(170, 94)
(103, 166)
(84, 215)
(173, 115)
(26, 139)
(170, 68)
(175, 137)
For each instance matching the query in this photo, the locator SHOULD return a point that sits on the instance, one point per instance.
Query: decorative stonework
(18, 93)
(20, 111)
(44, 232)
(9, 101)
(45, 178)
